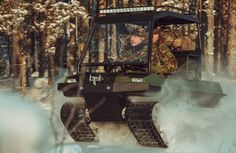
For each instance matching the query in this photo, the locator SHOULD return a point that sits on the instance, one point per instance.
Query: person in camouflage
(136, 50)
(163, 61)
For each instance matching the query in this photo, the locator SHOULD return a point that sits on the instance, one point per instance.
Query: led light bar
(126, 10)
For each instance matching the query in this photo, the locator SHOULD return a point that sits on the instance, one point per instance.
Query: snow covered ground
(31, 124)
(188, 128)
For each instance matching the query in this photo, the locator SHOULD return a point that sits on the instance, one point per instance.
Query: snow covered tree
(19, 19)
(13, 22)
(50, 21)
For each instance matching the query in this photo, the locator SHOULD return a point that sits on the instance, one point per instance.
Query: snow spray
(189, 127)
(23, 126)
(27, 124)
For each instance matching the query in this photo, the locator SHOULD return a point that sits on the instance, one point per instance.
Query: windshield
(119, 43)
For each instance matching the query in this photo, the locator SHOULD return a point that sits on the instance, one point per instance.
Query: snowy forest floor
(31, 123)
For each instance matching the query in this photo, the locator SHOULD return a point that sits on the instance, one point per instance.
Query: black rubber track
(73, 118)
(140, 122)
(138, 117)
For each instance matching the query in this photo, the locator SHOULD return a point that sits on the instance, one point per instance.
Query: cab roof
(160, 18)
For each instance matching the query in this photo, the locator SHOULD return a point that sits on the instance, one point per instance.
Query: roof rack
(144, 9)
(107, 7)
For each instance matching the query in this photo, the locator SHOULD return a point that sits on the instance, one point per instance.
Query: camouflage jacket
(134, 54)
(163, 61)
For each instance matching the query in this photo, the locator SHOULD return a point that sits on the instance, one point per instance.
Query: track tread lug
(78, 128)
(139, 119)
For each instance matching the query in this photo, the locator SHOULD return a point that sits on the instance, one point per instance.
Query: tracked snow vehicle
(108, 85)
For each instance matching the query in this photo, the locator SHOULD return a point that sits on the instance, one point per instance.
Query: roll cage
(155, 16)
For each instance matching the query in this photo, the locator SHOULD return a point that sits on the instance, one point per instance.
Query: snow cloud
(23, 125)
(192, 128)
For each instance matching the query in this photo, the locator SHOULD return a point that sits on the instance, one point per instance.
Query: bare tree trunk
(221, 32)
(232, 35)
(42, 57)
(80, 41)
(71, 53)
(83, 36)
(14, 47)
(50, 69)
(17, 37)
(35, 52)
(23, 78)
(210, 33)
(58, 58)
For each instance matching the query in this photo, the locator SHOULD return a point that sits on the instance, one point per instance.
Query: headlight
(70, 80)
